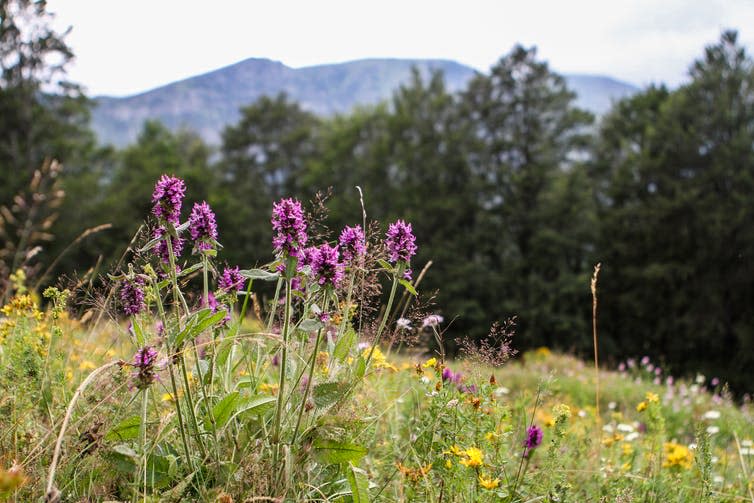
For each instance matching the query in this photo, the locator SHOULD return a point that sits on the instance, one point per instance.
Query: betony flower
(289, 226)
(533, 439)
(161, 248)
(325, 265)
(215, 307)
(352, 243)
(231, 280)
(168, 198)
(144, 361)
(132, 296)
(400, 242)
(202, 226)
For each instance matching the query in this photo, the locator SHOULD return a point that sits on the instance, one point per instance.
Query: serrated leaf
(208, 322)
(359, 483)
(334, 452)
(259, 274)
(408, 286)
(344, 345)
(127, 429)
(327, 393)
(225, 408)
(310, 325)
(256, 406)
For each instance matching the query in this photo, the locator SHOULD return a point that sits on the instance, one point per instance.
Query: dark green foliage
(677, 172)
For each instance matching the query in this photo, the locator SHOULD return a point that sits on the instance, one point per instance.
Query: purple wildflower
(400, 241)
(290, 227)
(144, 361)
(231, 280)
(215, 307)
(325, 265)
(450, 376)
(352, 243)
(132, 296)
(307, 256)
(202, 226)
(168, 198)
(161, 248)
(533, 439)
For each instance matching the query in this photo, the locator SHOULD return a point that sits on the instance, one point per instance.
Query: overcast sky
(127, 46)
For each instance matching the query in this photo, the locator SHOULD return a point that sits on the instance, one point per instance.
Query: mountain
(206, 103)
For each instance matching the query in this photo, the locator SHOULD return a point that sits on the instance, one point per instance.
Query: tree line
(513, 192)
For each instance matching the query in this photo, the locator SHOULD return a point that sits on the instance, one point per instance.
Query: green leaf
(357, 479)
(386, 265)
(360, 368)
(127, 429)
(260, 274)
(138, 333)
(408, 286)
(224, 409)
(327, 393)
(189, 270)
(208, 322)
(310, 325)
(344, 345)
(334, 452)
(256, 406)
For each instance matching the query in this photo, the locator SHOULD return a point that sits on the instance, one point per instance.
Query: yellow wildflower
(414, 474)
(641, 407)
(430, 363)
(474, 457)
(454, 450)
(488, 483)
(448, 464)
(491, 436)
(677, 455)
(87, 365)
(627, 449)
(268, 388)
(652, 397)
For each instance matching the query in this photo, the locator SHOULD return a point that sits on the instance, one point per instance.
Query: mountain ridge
(208, 102)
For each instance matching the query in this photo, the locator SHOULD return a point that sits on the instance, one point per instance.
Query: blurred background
(525, 143)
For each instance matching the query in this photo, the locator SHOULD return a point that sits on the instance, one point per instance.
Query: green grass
(406, 435)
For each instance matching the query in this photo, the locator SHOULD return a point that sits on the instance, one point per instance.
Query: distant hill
(206, 103)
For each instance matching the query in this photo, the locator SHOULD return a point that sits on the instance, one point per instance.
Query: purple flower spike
(231, 280)
(533, 439)
(352, 243)
(168, 198)
(326, 267)
(144, 361)
(132, 296)
(161, 248)
(400, 242)
(289, 226)
(202, 226)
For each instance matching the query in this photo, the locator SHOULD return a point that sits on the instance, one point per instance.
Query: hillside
(208, 102)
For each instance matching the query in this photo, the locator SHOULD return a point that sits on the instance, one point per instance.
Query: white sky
(127, 46)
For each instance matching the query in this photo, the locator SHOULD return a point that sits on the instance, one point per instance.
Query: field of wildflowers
(193, 380)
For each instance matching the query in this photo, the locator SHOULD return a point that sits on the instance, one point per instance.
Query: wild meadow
(323, 376)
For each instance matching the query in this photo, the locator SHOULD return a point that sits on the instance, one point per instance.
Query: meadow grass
(199, 389)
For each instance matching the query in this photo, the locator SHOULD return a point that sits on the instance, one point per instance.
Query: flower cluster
(168, 198)
(161, 248)
(533, 439)
(400, 242)
(231, 280)
(144, 361)
(132, 296)
(202, 226)
(325, 265)
(352, 243)
(289, 226)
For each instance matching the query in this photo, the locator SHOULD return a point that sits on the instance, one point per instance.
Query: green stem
(143, 438)
(271, 317)
(384, 318)
(311, 374)
(190, 404)
(283, 361)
